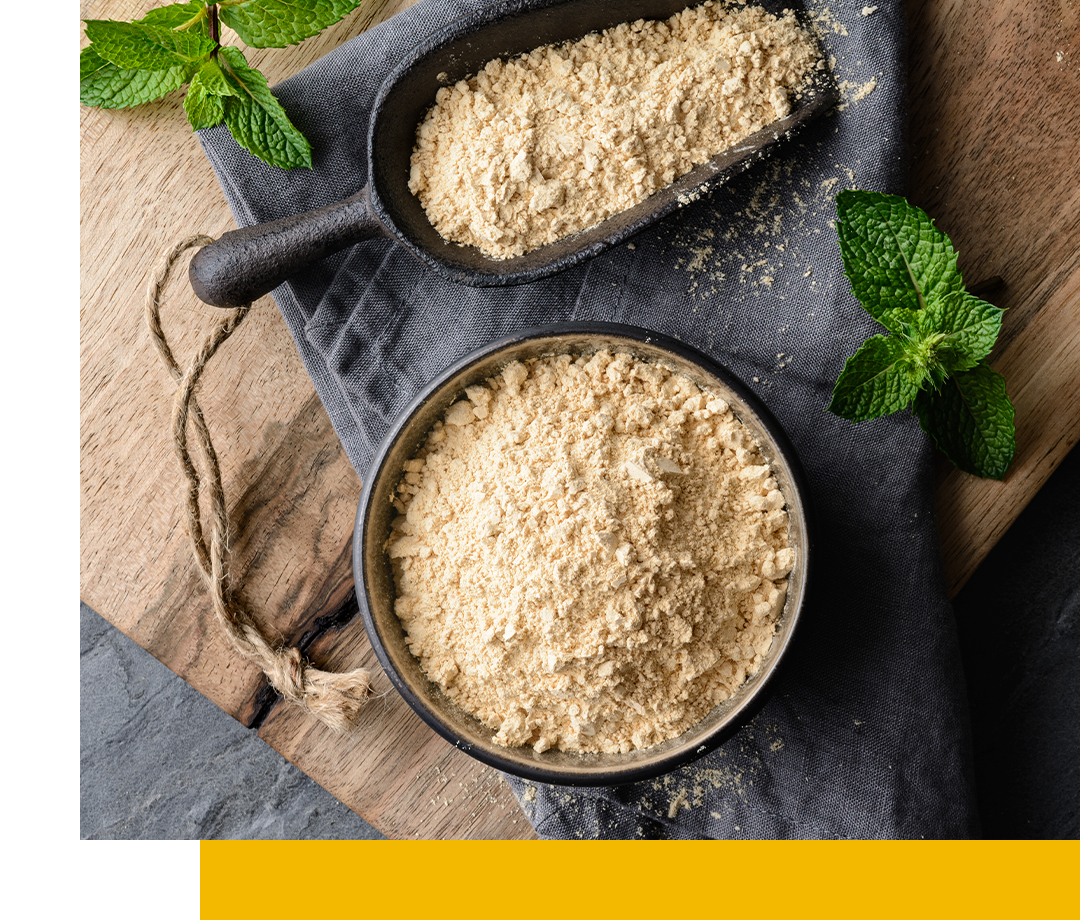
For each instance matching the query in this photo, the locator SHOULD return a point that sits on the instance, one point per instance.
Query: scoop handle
(245, 264)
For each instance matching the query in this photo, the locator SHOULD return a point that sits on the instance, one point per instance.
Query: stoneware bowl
(375, 580)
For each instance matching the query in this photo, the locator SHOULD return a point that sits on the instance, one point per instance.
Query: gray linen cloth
(866, 732)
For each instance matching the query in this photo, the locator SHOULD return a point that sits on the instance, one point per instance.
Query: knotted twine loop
(334, 698)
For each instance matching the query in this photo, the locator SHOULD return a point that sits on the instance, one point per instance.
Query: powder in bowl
(534, 149)
(591, 552)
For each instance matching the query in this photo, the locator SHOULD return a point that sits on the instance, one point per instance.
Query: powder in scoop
(591, 553)
(539, 147)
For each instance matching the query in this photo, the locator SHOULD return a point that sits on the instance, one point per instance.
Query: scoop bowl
(247, 263)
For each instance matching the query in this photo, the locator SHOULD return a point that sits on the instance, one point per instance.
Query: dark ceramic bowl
(375, 579)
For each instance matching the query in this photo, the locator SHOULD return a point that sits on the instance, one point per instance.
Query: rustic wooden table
(995, 158)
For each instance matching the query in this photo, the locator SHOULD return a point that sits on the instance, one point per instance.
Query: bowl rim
(745, 710)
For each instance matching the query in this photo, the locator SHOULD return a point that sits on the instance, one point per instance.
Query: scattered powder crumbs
(591, 553)
(869, 10)
(552, 142)
(825, 17)
(858, 93)
(726, 779)
(701, 252)
(680, 801)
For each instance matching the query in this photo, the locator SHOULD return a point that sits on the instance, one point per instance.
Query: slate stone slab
(160, 761)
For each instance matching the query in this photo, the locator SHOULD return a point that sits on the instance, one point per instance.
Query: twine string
(334, 698)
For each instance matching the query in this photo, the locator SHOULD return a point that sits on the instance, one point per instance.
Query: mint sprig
(130, 63)
(904, 272)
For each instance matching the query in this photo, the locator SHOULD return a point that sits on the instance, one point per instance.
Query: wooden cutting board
(994, 152)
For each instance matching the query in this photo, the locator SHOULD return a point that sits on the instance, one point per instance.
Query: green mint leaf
(137, 46)
(894, 256)
(972, 421)
(966, 328)
(203, 103)
(277, 23)
(256, 119)
(176, 15)
(214, 79)
(203, 107)
(878, 379)
(110, 87)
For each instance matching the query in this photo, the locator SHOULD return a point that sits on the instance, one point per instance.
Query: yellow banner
(623, 878)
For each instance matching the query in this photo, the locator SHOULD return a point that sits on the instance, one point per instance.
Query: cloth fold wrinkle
(865, 734)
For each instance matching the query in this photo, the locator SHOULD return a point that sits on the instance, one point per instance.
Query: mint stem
(215, 33)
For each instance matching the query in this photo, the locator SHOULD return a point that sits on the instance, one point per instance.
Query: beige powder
(555, 141)
(591, 553)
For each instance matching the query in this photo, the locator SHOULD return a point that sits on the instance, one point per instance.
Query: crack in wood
(266, 698)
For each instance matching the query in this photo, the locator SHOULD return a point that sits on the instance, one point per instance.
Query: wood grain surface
(994, 159)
